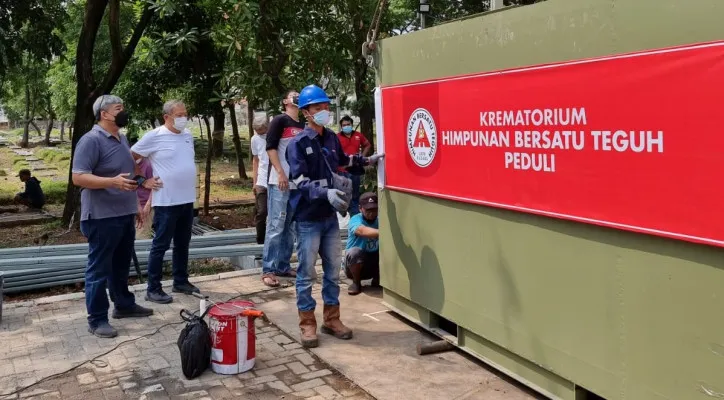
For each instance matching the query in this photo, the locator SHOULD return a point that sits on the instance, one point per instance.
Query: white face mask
(321, 118)
(180, 123)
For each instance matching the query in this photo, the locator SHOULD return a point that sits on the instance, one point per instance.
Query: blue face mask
(321, 118)
(347, 129)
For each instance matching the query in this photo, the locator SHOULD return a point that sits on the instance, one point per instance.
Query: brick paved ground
(48, 336)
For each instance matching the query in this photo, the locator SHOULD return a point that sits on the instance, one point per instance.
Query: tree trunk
(153, 123)
(82, 123)
(70, 130)
(207, 175)
(87, 88)
(201, 130)
(218, 134)
(237, 142)
(49, 129)
(50, 120)
(26, 130)
(62, 130)
(37, 128)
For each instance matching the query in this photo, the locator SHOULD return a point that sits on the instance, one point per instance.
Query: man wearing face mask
(353, 142)
(314, 156)
(170, 149)
(103, 167)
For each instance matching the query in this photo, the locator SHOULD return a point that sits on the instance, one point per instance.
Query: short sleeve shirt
(258, 148)
(282, 130)
(146, 172)
(172, 159)
(354, 143)
(102, 154)
(369, 245)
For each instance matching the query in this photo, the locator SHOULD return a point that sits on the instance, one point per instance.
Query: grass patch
(54, 191)
(53, 155)
(17, 132)
(58, 157)
(20, 163)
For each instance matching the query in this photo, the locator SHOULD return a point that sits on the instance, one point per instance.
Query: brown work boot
(333, 326)
(308, 328)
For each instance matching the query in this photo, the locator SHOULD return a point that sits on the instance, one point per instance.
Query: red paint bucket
(233, 337)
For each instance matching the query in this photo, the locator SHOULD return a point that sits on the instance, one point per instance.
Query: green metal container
(566, 308)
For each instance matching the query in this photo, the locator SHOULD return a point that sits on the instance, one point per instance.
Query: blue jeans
(356, 183)
(318, 237)
(110, 248)
(279, 241)
(170, 222)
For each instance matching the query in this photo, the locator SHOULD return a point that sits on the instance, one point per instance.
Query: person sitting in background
(362, 254)
(260, 172)
(353, 142)
(33, 196)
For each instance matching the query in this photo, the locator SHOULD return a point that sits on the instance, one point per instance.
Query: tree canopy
(58, 56)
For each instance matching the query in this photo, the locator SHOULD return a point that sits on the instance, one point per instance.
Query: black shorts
(370, 263)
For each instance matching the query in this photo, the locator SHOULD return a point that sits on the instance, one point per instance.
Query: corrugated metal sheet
(40, 267)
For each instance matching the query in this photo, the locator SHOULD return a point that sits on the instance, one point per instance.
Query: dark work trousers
(110, 247)
(260, 213)
(170, 223)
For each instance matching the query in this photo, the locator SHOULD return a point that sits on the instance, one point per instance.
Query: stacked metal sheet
(40, 267)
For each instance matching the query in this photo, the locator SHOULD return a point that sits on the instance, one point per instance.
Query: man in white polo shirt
(170, 149)
(260, 174)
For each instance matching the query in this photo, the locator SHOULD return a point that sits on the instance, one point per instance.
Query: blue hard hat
(312, 94)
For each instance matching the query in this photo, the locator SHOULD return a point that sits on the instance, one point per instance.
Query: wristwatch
(139, 180)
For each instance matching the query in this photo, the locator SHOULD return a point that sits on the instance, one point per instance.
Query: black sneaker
(103, 330)
(134, 312)
(158, 296)
(185, 288)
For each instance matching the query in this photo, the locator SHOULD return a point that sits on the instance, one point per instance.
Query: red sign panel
(633, 141)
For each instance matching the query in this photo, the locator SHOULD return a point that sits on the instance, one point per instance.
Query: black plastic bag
(194, 344)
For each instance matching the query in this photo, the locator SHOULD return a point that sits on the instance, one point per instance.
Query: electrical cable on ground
(102, 364)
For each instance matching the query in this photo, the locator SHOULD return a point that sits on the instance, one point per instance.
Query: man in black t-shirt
(33, 196)
(279, 241)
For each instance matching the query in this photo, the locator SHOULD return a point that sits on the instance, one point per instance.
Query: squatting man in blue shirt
(103, 167)
(362, 254)
(314, 154)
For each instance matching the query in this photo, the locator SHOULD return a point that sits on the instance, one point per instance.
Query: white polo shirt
(258, 148)
(172, 158)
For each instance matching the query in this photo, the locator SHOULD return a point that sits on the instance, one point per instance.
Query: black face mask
(122, 119)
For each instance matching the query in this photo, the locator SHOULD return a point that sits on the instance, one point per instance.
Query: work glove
(373, 159)
(337, 199)
(344, 184)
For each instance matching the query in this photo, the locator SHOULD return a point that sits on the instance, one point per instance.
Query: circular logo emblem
(421, 137)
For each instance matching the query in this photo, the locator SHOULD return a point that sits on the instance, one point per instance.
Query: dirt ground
(46, 234)
(235, 218)
(53, 233)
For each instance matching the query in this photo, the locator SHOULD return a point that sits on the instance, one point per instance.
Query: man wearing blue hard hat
(314, 155)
